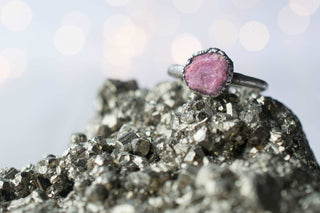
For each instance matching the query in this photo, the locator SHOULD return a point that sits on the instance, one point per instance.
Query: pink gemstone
(207, 73)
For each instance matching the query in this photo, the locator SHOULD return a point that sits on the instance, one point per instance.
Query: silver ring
(210, 71)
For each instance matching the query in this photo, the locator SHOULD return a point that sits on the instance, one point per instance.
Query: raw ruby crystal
(207, 73)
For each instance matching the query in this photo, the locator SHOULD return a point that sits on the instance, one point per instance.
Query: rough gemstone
(207, 73)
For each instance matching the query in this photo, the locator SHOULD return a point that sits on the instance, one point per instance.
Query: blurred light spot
(4, 69)
(77, 19)
(13, 62)
(138, 16)
(183, 48)
(116, 62)
(138, 10)
(123, 41)
(245, 4)
(304, 7)
(114, 22)
(123, 35)
(291, 23)
(117, 56)
(188, 6)
(254, 36)
(223, 34)
(117, 3)
(17, 59)
(16, 15)
(69, 39)
(130, 37)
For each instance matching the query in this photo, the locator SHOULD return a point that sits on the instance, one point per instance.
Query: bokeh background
(54, 55)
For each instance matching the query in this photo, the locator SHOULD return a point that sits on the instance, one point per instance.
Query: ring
(210, 71)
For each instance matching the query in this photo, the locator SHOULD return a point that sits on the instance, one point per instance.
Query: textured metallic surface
(169, 150)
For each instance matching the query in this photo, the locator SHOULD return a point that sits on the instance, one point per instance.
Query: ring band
(210, 71)
(176, 70)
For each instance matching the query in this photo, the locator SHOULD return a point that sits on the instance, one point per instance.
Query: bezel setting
(210, 51)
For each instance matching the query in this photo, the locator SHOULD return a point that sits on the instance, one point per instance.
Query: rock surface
(169, 150)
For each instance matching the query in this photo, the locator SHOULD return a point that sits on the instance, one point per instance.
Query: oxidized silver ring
(210, 71)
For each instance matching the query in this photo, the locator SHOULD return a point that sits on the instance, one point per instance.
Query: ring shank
(176, 70)
(243, 80)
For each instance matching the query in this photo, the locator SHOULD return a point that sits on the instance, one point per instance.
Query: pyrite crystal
(169, 150)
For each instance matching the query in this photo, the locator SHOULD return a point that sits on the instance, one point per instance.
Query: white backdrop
(55, 54)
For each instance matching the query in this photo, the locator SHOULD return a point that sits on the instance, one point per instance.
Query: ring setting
(209, 72)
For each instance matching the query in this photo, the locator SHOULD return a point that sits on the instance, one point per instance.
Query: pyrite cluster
(169, 150)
